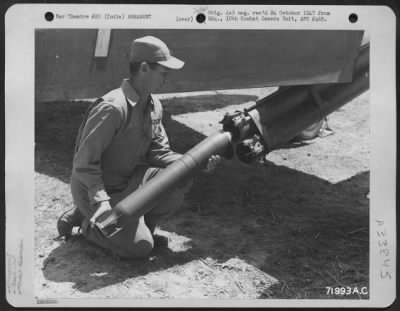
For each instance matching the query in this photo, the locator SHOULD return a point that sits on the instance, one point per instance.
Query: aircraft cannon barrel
(174, 176)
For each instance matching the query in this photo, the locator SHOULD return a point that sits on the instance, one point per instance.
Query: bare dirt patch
(285, 229)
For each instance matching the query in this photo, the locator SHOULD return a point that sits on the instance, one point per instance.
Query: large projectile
(174, 176)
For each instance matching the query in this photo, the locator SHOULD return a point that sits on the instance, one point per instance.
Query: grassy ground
(286, 229)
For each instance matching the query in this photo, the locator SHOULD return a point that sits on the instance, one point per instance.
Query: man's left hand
(212, 163)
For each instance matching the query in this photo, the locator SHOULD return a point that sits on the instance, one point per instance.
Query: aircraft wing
(68, 65)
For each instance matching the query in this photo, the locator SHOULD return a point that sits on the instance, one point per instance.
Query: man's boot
(68, 220)
(159, 240)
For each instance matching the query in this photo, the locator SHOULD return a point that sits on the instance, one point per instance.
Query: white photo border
(21, 20)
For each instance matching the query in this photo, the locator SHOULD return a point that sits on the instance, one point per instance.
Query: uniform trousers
(135, 237)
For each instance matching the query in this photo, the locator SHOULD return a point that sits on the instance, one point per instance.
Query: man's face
(157, 76)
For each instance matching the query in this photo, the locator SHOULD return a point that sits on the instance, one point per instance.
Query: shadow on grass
(293, 226)
(310, 235)
(89, 267)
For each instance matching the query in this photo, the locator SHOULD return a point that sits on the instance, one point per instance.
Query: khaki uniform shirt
(120, 135)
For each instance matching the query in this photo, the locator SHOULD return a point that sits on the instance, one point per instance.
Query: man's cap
(152, 50)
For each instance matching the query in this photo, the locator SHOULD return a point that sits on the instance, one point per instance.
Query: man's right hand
(104, 207)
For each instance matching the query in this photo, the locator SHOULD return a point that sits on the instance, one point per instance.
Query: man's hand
(104, 207)
(212, 163)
